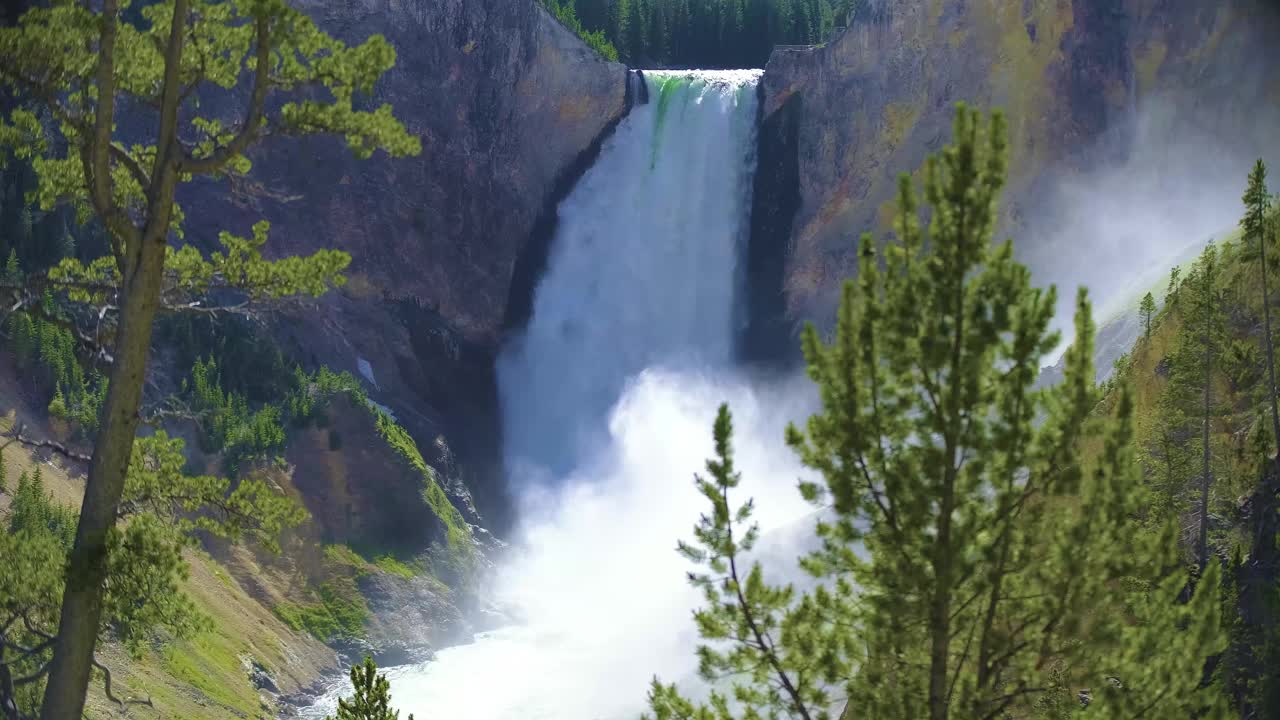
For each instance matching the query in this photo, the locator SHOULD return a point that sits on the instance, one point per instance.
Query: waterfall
(608, 398)
(643, 272)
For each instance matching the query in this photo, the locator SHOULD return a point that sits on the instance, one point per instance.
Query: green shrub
(50, 350)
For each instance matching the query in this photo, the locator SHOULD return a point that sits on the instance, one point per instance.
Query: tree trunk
(82, 601)
(1259, 573)
(1268, 348)
(940, 617)
(1202, 541)
(141, 280)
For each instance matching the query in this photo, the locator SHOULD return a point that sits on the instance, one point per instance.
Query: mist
(594, 582)
(1160, 185)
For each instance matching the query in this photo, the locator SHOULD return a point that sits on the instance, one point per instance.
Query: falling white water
(643, 270)
(608, 401)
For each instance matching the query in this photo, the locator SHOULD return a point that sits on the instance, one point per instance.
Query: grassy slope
(200, 679)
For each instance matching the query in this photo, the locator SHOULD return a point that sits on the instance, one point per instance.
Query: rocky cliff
(506, 102)
(1086, 84)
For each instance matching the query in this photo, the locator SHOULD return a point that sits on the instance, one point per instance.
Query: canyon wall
(506, 102)
(1082, 82)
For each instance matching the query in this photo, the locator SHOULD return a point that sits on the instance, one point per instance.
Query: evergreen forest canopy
(702, 33)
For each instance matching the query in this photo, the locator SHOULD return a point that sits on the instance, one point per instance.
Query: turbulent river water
(607, 400)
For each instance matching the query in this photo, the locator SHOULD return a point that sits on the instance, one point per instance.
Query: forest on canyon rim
(988, 546)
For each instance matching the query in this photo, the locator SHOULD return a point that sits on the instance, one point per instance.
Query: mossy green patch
(364, 559)
(898, 122)
(343, 555)
(393, 566)
(1020, 66)
(341, 612)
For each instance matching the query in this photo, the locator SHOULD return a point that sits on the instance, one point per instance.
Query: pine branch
(765, 643)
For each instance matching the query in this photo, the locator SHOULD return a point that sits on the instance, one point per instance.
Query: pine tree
(163, 511)
(1148, 310)
(1257, 661)
(58, 405)
(1207, 319)
(268, 50)
(1258, 231)
(372, 695)
(12, 270)
(969, 542)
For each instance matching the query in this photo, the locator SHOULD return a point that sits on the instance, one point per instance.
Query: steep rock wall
(1075, 78)
(505, 101)
(503, 98)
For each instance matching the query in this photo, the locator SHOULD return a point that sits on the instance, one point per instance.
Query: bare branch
(15, 436)
(106, 687)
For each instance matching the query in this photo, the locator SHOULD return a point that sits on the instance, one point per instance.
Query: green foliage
(35, 512)
(1147, 309)
(228, 423)
(12, 270)
(341, 613)
(362, 559)
(1257, 202)
(343, 555)
(56, 44)
(1242, 363)
(76, 63)
(1183, 442)
(49, 348)
(189, 276)
(1175, 281)
(241, 433)
(311, 394)
(250, 362)
(163, 510)
(30, 585)
(563, 11)
(972, 557)
(233, 510)
(393, 566)
(707, 33)
(371, 695)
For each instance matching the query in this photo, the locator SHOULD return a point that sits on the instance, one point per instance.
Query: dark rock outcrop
(1075, 77)
(775, 198)
(410, 617)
